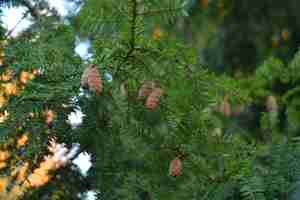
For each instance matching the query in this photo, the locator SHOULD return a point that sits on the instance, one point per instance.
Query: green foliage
(245, 156)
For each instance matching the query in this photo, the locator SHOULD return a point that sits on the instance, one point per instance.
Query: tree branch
(12, 30)
(133, 25)
(31, 8)
(156, 12)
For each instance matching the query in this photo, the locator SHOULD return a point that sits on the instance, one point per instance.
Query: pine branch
(19, 22)
(160, 11)
(132, 40)
(133, 26)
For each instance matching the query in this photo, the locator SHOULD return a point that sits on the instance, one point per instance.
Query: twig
(132, 41)
(19, 22)
(133, 25)
(32, 9)
(155, 12)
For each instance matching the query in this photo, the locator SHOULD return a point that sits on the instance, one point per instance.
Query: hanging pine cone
(84, 77)
(271, 104)
(91, 79)
(175, 168)
(146, 89)
(152, 100)
(225, 107)
(94, 80)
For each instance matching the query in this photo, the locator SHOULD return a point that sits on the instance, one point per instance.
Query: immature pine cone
(152, 100)
(91, 79)
(175, 168)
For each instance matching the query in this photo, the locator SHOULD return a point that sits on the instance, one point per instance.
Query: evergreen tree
(164, 127)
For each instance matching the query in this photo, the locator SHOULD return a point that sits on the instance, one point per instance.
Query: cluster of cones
(150, 91)
(227, 110)
(271, 105)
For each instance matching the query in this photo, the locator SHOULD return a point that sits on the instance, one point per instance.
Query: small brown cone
(271, 104)
(152, 101)
(175, 168)
(146, 89)
(94, 80)
(91, 79)
(225, 107)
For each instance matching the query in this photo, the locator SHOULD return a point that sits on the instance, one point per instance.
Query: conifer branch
(133, 22)
(19, 22)
(160, 11)
(133, 25)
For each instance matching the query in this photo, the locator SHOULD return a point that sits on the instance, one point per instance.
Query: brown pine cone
(94, 80)
(91, 79)
(152, 100)
(175, 168)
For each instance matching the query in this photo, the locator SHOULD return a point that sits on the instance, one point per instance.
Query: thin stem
(32, 9)
(19, 22)
(156, 12)
(132, 40)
